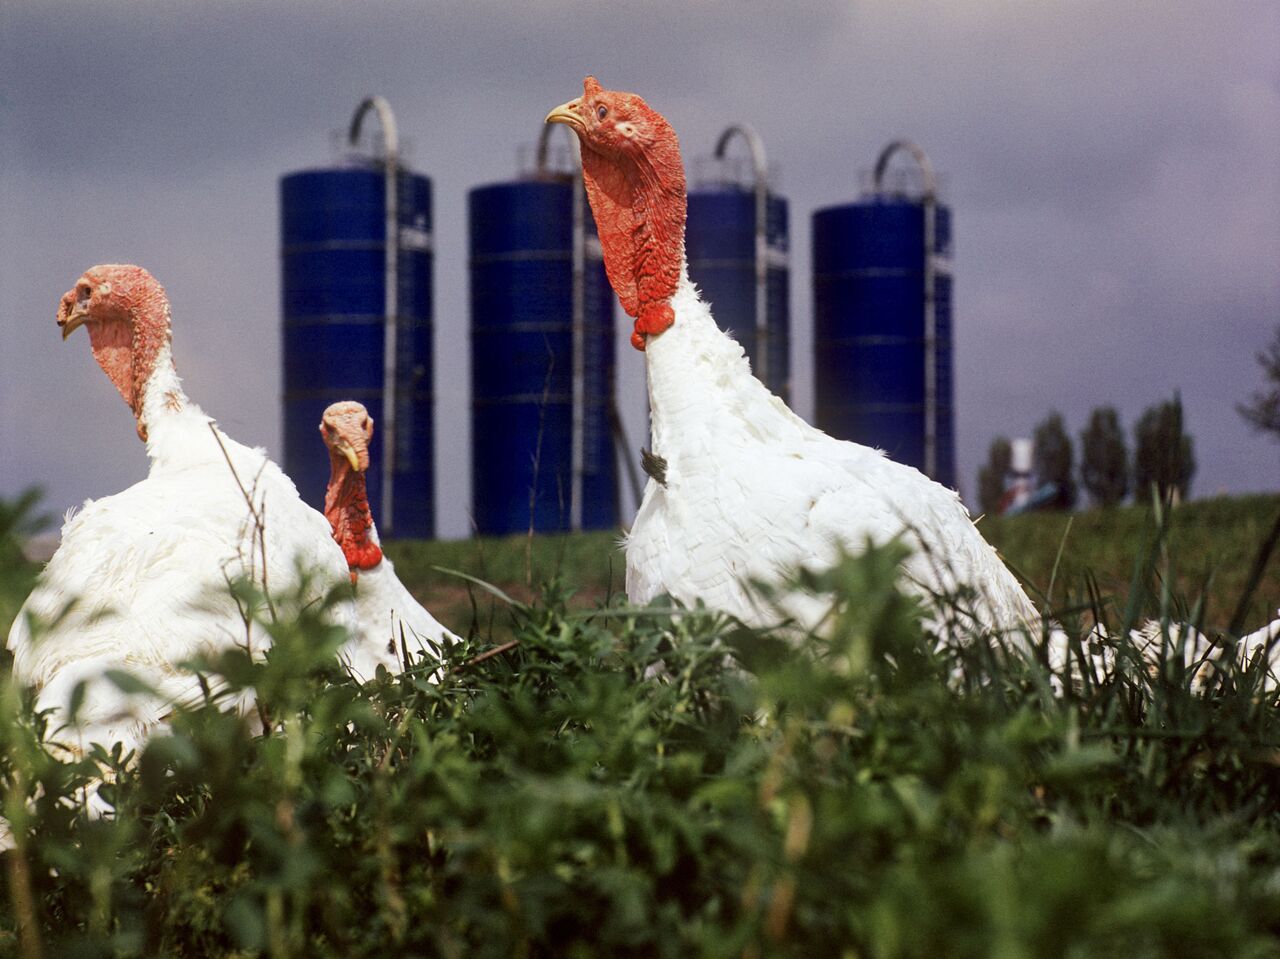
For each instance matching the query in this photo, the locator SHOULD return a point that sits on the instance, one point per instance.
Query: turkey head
(347, 430)
(126, 312)
(635, 182)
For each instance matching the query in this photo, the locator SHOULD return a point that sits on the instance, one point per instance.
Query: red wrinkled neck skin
(127, 345)
(639, 204)
(346, 507)
(112, 344)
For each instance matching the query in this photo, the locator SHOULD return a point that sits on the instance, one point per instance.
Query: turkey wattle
(145, 571)
(386, 611)
(749, 490)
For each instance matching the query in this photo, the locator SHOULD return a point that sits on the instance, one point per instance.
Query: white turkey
(1203, 657)
(144, 573)
(386, 612)
(741, 487)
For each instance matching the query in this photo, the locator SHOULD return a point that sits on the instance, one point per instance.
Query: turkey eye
(602, 111)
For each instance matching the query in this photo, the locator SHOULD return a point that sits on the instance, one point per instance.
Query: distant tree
(993, 475)
(1263, 411)
(1104, 461)
(1164, 456)
(1054, 460)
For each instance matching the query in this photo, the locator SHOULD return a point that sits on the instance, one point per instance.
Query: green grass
(1215, 542)
(591, 560)
(640, 783)
(590, 565)
(646, 783)
(19, 519)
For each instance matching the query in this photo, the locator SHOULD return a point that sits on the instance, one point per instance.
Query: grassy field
(659, 784)
(640, 783)
(1212, 544)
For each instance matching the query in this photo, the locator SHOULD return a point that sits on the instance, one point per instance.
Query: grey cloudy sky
(1112, 165)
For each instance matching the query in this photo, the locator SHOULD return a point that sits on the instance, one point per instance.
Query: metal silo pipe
(930, 203)
(578, 259)
(622, 447)
(391, 165)
(760, 172)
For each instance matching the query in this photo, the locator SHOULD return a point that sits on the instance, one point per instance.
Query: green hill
(1211, 548)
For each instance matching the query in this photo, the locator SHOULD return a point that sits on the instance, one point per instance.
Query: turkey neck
(133, 349)
(701, 390)
(162, 393)
(346, 507)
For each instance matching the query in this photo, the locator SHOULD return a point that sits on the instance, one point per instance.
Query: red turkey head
(347, 430)
(126, 313)
(635, 181)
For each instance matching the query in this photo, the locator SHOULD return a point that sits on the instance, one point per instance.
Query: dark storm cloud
(153, 85)
(1111, 167)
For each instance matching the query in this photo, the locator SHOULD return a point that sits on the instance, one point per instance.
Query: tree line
(1163, 460)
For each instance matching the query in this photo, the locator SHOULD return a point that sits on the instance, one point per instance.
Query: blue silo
(737, 242)
(524, 365)
(335, 277)
(882, 323)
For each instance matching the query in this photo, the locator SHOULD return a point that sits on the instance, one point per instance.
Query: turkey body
(751, 491)
(142, 575)
(389, 620)
(748, 490)
(387, 614)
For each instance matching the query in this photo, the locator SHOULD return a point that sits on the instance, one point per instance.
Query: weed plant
(666, 782)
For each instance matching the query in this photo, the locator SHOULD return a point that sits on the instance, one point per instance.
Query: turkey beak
(71, 315)
(347, 450)
(567, 113)
(354, 451)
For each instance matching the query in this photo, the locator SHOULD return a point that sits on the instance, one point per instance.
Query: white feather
(753, 491)
(1201, 655)
(386, 613)
(139, 581)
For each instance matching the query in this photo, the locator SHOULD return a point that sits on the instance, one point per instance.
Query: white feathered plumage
(1203, 657)
(749, 489)
(147, 568)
